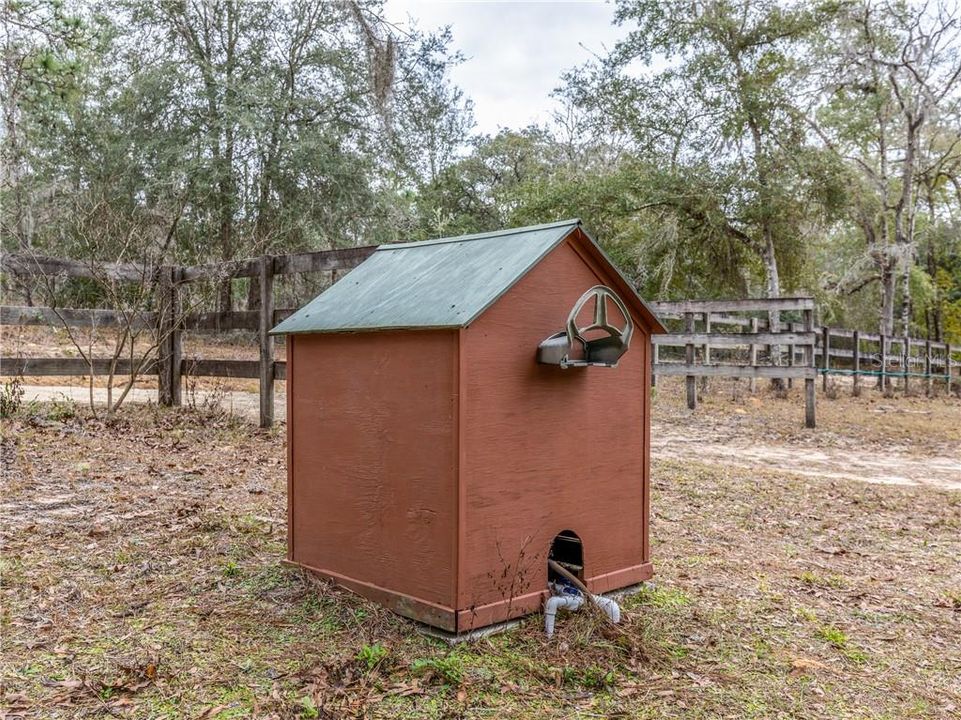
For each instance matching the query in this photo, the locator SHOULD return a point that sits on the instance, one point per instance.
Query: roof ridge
(573, 222)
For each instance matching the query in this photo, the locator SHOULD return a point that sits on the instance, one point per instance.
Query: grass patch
(660, 597)
(768, 587)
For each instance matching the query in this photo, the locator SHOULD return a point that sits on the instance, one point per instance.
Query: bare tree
(142, 313)
(894, 74)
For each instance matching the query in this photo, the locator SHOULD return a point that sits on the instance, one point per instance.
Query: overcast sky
(516, 51)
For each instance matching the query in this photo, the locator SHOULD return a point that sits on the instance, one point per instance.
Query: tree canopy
(722, 148)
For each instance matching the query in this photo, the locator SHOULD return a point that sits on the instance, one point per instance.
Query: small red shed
(444, 439)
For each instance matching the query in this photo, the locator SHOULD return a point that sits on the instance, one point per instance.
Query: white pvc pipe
(574, 602)
(558, 602)
(612, 609)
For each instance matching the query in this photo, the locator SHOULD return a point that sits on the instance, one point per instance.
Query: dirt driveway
(889, 467)
(679, 435)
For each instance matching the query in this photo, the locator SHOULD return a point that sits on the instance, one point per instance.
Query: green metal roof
(441, 283)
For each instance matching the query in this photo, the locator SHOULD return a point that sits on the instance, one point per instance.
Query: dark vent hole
(567, 551)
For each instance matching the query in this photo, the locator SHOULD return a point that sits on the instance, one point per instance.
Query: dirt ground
(800, 574)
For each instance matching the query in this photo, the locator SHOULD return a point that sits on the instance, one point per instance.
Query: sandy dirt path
(692, 441)
(888, 467)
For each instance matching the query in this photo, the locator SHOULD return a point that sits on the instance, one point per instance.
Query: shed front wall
(545, 449)
(372, 465)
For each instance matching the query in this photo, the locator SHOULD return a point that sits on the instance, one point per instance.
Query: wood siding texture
(372, 465)
(545, 449)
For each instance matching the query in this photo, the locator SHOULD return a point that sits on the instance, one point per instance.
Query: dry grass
(142, 578)
(902, 423)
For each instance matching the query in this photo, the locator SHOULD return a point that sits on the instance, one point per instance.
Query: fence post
(947, 365)
(905, 361)
(706, 359)
(809, 412)
(266, 276)
(164, 308)
(689, 358)
(927, 367)
(882, 376)
(656, 355)
(825, 356)
(753, 360)
(176, 337)
(856, 388)
(792, 327)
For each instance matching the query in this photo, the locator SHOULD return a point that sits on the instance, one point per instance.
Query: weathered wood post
(165, 323)
(706, 356)
(809, 395)
(882, 376)
(266, 275)
(947, 365)
(655, 355)
(790, 358)
(927, 367)
(176, 337)
(753, 381)
(856, 386)
(689, 358)
(905, 362)
(825, 356)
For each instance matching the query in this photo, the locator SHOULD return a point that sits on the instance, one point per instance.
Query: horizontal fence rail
(709, 338)
(77, 367)
(41, 265)
(725, 312)
(728, 306)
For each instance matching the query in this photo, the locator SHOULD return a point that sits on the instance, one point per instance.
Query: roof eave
(342, 331)
(654, 323)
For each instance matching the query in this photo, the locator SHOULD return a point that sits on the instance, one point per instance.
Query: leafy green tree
(247, 128)
(705, 92)
(39, 73)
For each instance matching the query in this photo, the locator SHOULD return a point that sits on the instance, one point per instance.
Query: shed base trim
(411, 607)
(503, 610)
(473, 619)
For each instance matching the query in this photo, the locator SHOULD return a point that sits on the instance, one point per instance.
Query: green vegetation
(448, 669)
(752, 147)
(371, 655)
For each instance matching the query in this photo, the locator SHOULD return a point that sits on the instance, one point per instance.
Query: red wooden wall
(430, 469)
(545, 449)
(371, 464)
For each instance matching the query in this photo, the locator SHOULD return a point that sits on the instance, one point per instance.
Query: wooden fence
(170, 322)
(702, 337)
(717, 314)
(796, 349)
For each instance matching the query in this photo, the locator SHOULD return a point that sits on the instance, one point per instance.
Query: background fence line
(795, 349)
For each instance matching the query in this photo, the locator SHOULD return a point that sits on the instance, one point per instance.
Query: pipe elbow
(611, 608)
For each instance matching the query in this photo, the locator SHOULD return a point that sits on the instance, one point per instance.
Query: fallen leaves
(117, 598)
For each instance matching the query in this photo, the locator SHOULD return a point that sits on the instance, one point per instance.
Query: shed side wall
(373, 455)
(547, 449)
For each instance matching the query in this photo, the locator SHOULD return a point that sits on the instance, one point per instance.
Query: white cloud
(516, 51)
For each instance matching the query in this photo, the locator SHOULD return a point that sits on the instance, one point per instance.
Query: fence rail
(792, 350)
(706, 341)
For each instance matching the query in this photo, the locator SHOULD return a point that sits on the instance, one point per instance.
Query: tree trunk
(888, 286)
(253, 294)
(906, 294)
(934, 324)
(773, 291)
(224, 296)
